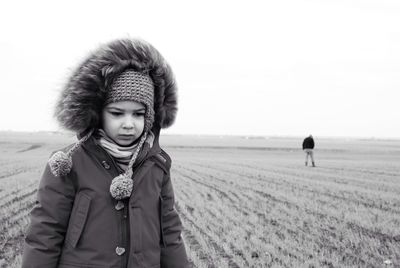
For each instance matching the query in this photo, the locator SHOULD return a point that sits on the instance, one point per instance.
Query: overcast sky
(291, 67)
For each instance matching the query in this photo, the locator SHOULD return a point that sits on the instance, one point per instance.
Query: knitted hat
(134, 86)
(126, 69)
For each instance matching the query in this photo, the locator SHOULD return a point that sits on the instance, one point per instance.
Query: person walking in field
(108, 199)
(308, 147)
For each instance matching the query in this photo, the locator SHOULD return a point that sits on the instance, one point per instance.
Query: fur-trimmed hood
(82, 99)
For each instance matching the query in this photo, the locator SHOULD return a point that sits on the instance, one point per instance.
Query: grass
(248, 202)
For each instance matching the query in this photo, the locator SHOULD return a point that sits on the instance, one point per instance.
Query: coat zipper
(125, 222)
(125, 232)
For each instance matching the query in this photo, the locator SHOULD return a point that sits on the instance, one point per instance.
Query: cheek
(142, 123)
(139, 124)
(108, 123)
(103, 119)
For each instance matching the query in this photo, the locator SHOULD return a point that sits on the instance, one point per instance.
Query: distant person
(308, 147)
(108, 200)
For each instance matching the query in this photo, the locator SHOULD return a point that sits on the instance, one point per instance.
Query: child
(107, 200)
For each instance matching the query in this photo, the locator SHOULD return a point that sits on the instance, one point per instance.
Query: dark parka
(75, 221)
(308, 143)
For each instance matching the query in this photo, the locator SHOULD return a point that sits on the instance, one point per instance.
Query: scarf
(121, 154)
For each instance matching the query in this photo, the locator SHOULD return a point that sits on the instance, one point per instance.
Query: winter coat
(76, 222)
(308, 143)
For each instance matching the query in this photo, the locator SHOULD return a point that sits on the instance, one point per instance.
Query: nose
(128, 123)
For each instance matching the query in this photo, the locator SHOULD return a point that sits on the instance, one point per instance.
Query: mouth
(126, 137)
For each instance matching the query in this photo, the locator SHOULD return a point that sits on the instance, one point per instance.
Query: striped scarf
(121, 154)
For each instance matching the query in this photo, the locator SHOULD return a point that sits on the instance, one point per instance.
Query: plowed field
(248, 202)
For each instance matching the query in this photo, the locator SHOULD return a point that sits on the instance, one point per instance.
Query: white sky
(291, 67)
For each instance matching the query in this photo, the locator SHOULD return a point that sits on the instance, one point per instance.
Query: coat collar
(106, 160)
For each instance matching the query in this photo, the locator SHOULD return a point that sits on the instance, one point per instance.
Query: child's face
(123, 121)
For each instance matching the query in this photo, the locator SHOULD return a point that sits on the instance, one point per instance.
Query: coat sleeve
(48, 221)
(173, 252)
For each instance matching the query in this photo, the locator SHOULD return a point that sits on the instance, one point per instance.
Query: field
(248, 202)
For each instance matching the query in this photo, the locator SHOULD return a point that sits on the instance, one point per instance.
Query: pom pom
(60, 164)
(121, 187)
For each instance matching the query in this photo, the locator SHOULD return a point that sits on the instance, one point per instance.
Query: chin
(126, 142)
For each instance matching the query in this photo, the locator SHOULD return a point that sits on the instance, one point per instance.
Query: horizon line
(252, 136)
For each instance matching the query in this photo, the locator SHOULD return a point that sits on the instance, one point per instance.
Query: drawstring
(122, 186)
(61, 163)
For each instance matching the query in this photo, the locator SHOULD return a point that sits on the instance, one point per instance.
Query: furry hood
(82, 99)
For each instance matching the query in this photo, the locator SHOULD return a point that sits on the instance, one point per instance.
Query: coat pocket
(162, 240)
(78, 218)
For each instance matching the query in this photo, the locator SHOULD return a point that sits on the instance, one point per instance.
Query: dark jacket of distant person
(308, 143)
